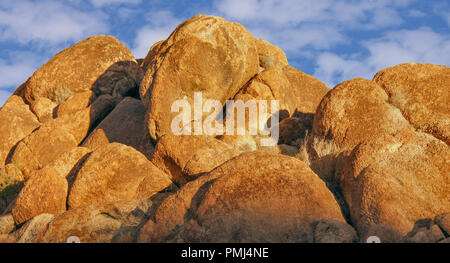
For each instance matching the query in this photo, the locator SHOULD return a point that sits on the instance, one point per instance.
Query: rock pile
(87, 148)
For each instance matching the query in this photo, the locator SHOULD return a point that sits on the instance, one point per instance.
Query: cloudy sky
(333, 40)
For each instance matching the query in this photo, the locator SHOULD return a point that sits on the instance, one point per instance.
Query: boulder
(45, 192)
(241, 201)
(78, 69)
(332, 231)
(347, 112)
(116, 172)
(34, 229)
(420, 92)
(125, 125)
(77, 102)
(122, 79)
(424, 231)
(184, 158)
(58, 136)
(204, 54)
(16, 122)
(103, 223)
(397, 180)
(67, 161)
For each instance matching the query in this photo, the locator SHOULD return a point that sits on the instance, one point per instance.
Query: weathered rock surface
(125, 125)
(67, 161)
(420, 92)
(206, 54)
(332, 231)
(34, 229)
(116, 172)
(393, 170)
(425, 231)
(385, 233)
(77, 69)
(114, 222)
(397, 180)
(57, 136)
(43, 109)
(45, 192)
(87, 147)
(16, 122)
(184, 158)
(443, 221)
(270, 55)
(241, 201)
(6, 224)
(298, 95)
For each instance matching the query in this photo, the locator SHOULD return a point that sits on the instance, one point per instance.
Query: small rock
(332, 231)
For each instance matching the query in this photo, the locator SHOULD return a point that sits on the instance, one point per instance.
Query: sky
(333, 40)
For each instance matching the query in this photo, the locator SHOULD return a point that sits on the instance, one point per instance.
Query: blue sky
(333, 40)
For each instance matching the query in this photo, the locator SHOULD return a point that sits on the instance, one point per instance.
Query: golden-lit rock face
(76, 69)
(16, 122)
(116, 172)
(384, 145)
(186, 157)
(45, 192)
(243, 196)
(421, 92)
(87, 149)
(205, 53)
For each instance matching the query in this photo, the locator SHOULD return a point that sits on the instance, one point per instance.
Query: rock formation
(87, 148)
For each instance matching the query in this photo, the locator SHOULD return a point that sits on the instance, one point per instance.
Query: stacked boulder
(87, 148)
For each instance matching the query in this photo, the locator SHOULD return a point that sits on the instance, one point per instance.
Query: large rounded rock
(116, 172)
(45, 192)
(348, 112)
(16, 122)
(204, 54)
(255, 197)
(184, 158)
(77, 69)
(397, 180)
(298, 95)
(421, 93)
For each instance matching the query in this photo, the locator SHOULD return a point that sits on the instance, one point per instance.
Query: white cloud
(160, 26)
(303, 27)
(47, 22)
(421, 46)
(291, 12)
(101, 3)
(22, 66)
(333, 69)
